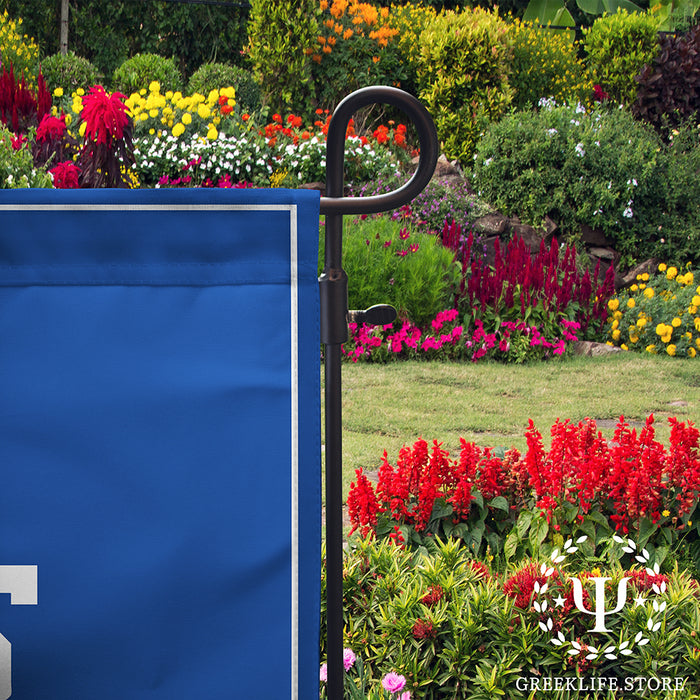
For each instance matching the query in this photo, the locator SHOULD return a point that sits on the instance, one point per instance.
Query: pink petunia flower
(393, 682)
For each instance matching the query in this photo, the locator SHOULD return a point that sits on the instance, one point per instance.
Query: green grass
(387, 406)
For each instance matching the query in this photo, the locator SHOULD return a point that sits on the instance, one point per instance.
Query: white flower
(628, 213)
(552, 132)
(579, 150)
(488, 162)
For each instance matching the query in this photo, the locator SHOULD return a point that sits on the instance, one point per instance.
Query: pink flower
(348, 659)
(393, 682)
(323, 674)
(405, 696)
(65, 175)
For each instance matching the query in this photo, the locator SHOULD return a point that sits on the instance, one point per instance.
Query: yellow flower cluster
(18, 49)
(546, 63)
(410, 20)
(658, 314)
(154, 112)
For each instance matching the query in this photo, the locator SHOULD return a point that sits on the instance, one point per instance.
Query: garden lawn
(387, 406)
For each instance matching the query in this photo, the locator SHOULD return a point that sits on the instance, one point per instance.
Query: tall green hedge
(107, 33)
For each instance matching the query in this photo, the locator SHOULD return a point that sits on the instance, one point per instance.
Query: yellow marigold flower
(676, 323)
(671, 273)
(649, 292)
(671, 350)
(154, 86)
(692, 309)
(696, 323)
(58, 92)
(82, 129)
(212, 133)
(630, 303)
(662, 267)
(616, 335)
(695, 301)
(186, 118)
(691, 352)
(624, 347)
(634, 338)
(203, 111)
(661, 329)
(641, 322)
(651, 349)
(617, 315)
(689, 279)
(665, 513)
(642, 285)
(213, 96)
(178, 129)
(645, 277)
(615, 324)
(80, 92)
(634, 287)
(153, 113)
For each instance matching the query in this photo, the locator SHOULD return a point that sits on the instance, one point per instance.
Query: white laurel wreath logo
(611, 652)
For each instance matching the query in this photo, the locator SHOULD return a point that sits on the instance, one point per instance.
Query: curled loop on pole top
(334, 202)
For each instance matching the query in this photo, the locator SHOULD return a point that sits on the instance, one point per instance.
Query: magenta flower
(105, 115)
(65, 175)
(393, 682)
(348, 659)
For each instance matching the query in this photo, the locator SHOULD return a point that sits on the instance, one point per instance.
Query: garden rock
(588, 348)
(648, 266)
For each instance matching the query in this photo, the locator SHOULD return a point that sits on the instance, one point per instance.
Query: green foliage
(658, 314)
(598, 169)
(107, 33)
(356, 47)
(138, 72)
(214, 76)
(410, 20)
(617, 48)
(546, 64)
(69, 72)
(455, 630)
(388, 263)
(17, 169)
(463, 71)
(17, 49)
(281, 39)
(669, 87)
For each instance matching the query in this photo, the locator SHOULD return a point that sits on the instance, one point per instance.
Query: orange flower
(347, 33)
(332, 40)
(245, 117)
(316, 58)
(323, 5)
(338, 8)
(327, 49)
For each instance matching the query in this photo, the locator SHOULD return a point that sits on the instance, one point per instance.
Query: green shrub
(546, 64)
(17, 169)
(214, 76)
(463, 70)
(599, 169)
(669, 87)
(357, 46)
(281, 39)
(69, 72)
(18, 49)
(617, 48)
(388, 263)
(456, 631)
(138, 72)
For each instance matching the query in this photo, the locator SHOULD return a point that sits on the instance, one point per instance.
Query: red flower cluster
(20, 107)
(518, 280)
(630, 478)
(105, 115)
(65, 176)
(424, 629)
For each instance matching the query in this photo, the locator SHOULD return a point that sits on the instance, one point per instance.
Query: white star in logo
(559, 601)
(639, 601)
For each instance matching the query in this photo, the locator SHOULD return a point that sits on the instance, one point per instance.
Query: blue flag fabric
(159, 445)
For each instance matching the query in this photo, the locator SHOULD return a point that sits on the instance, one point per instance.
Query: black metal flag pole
(333, 284)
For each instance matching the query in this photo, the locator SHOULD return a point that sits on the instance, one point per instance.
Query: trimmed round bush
(139, 71)
(214, 76)
(69, 72)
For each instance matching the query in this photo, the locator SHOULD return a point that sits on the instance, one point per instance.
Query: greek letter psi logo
(21, 582)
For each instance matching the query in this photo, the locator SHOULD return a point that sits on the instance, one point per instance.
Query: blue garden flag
(159, 445)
